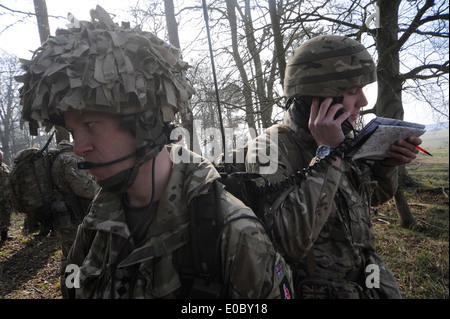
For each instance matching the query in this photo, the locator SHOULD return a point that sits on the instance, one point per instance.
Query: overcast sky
(22, 36)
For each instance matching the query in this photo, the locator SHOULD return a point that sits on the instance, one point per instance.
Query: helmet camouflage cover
(101, 66)
(327, 66)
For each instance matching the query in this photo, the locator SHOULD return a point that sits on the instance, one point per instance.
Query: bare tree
(411, 44)
(390, 79)
(277, 38)
(172, 30)
(246, 88)
(13, 137)
(40, 8)
(8, 103)
(243, 48)
(171, 22)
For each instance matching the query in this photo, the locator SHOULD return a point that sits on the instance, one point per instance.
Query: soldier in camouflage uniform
(322, 224)
(69, 193)
(5, 202)
(116, 89)
(74, 191)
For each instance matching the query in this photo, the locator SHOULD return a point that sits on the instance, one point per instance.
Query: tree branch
(414, 24)
(414, 73)
(29, 13)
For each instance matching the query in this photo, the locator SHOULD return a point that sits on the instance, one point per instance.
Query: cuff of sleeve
(383, 169)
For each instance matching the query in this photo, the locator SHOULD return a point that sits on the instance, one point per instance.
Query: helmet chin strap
(115, 184)
(120, 182)
(139, 152)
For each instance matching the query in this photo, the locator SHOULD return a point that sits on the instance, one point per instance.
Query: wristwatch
(323, 151)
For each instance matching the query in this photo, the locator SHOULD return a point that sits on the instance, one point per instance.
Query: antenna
(205, 15)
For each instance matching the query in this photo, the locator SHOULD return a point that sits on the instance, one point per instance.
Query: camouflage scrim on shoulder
(101, 66)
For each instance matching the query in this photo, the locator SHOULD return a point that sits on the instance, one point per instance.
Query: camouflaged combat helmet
(327, 66)
(101, 66)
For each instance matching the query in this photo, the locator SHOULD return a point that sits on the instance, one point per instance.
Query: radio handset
(302, 109)
(347, 127)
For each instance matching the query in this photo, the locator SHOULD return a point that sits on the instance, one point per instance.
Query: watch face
(323, 151)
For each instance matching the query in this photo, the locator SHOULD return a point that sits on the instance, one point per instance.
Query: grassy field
(418, 257)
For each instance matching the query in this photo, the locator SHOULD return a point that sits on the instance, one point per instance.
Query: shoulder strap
(47, 143)
(204, 229)
(43, 169)
(201, 269)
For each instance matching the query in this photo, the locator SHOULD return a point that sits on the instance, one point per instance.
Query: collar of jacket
(302, 133)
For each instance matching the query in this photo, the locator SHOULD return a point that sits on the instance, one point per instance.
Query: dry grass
(419, 257)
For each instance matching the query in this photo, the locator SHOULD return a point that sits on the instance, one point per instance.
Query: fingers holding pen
(403, 151)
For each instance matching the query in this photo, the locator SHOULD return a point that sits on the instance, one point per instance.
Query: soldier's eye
(89, 124)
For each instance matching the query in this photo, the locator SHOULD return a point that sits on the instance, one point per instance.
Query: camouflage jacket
(74, 190)
(4, 187)
(322, 225)
(250, 266)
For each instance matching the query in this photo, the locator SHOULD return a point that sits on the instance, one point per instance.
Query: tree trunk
(404, 179)
(171, 22)
(246, 89)
(389, 101)
(186, 115)
(265, 106)
(8, 104)
(40, 7)
(406, 217)
(277, 39)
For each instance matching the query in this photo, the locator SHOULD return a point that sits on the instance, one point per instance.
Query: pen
(423, 150)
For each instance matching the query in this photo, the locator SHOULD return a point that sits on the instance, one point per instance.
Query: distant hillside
(437, 135)
(436, 126)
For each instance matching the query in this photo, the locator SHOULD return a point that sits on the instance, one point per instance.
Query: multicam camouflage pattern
(250, 266)
(5, 202)
(66, 175)
(75, 190)
(26, 183)
(104, 67)
(327, 66)
(323, 225)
